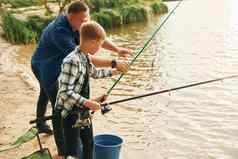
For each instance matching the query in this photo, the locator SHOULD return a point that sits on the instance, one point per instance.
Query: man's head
(78, 13)
(92, 36)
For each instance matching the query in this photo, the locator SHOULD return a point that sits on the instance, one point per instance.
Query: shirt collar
(82, 55)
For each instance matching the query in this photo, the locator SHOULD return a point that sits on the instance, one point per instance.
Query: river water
(199, 42)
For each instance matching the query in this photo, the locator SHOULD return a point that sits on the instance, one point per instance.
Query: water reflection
(198, 43)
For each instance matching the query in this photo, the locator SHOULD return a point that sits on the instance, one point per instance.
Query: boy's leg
(86, 136)
(58, 131)
(72, 140)
(57, 120)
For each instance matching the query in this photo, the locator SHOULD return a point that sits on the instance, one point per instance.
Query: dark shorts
(74, 138)
(58, 131)
(70, 141)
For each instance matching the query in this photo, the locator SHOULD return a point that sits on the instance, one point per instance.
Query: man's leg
(52, 94)
(41, 105)
(40, 112)
(86, 136)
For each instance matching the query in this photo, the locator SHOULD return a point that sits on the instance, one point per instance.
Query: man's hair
(77, 6)
(92, 31)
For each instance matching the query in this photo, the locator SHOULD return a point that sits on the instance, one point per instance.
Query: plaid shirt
(72, 76)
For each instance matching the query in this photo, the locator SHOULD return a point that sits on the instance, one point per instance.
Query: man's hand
(122, 67)
(101, 98)
(92, 105)
(124, 52)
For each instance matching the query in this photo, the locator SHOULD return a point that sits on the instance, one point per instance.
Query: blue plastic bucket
(107, 146)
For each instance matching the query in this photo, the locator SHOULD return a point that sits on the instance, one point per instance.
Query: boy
(73, 91)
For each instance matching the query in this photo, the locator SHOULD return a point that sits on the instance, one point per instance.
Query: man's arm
(110, 46)
(123, 52)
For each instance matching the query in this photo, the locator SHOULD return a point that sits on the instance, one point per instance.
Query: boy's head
(92, 36)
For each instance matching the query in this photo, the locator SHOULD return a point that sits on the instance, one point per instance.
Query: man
(59, 38)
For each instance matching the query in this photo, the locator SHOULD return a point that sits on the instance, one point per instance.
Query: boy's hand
(92, 105)
(122, 67)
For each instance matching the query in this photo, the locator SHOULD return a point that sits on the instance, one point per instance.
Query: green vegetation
(108, 18)
(16, 31)
(23, 32)
(21, 3)
(123, 11)
(37, 24)
(134, 13)
(97, 5)
(159, 8)
(109, 13)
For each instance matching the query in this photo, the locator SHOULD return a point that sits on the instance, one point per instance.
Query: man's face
(77, 19)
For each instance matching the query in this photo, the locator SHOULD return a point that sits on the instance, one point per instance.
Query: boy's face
(94, 46)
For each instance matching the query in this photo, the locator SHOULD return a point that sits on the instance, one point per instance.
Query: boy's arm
(70, 72)
(103, 62)
(99, 73)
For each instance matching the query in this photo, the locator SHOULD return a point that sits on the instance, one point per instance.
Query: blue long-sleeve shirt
(57, 41)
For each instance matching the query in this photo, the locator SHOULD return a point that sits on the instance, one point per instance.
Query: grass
(133, 13)
(108, 18)
(21, 3)
(97, 5)
(37, 24)
(109, 13)
(159, 7)
(16, 31)
(23, 32)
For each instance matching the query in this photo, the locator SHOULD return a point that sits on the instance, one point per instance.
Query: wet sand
(17, 104)
(18, 92)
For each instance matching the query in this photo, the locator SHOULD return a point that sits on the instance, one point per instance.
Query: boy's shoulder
(72, 57)
(75, 57)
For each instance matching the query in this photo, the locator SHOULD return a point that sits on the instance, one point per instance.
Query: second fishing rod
(106, 106)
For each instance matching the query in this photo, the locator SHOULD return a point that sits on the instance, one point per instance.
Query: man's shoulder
(58, 25)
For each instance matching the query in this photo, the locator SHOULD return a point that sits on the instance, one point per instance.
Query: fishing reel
(105, 108)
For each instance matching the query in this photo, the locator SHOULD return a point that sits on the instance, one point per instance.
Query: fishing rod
(106, 106)
(66, 112)
(145, 45)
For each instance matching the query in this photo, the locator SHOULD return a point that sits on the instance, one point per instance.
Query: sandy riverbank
(18, 92)
(17, 104)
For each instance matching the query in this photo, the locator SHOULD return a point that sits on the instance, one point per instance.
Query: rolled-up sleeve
(99, 73)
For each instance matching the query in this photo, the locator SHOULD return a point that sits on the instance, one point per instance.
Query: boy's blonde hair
(92, 31)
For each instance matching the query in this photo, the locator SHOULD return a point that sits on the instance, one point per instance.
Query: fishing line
(145, 45)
